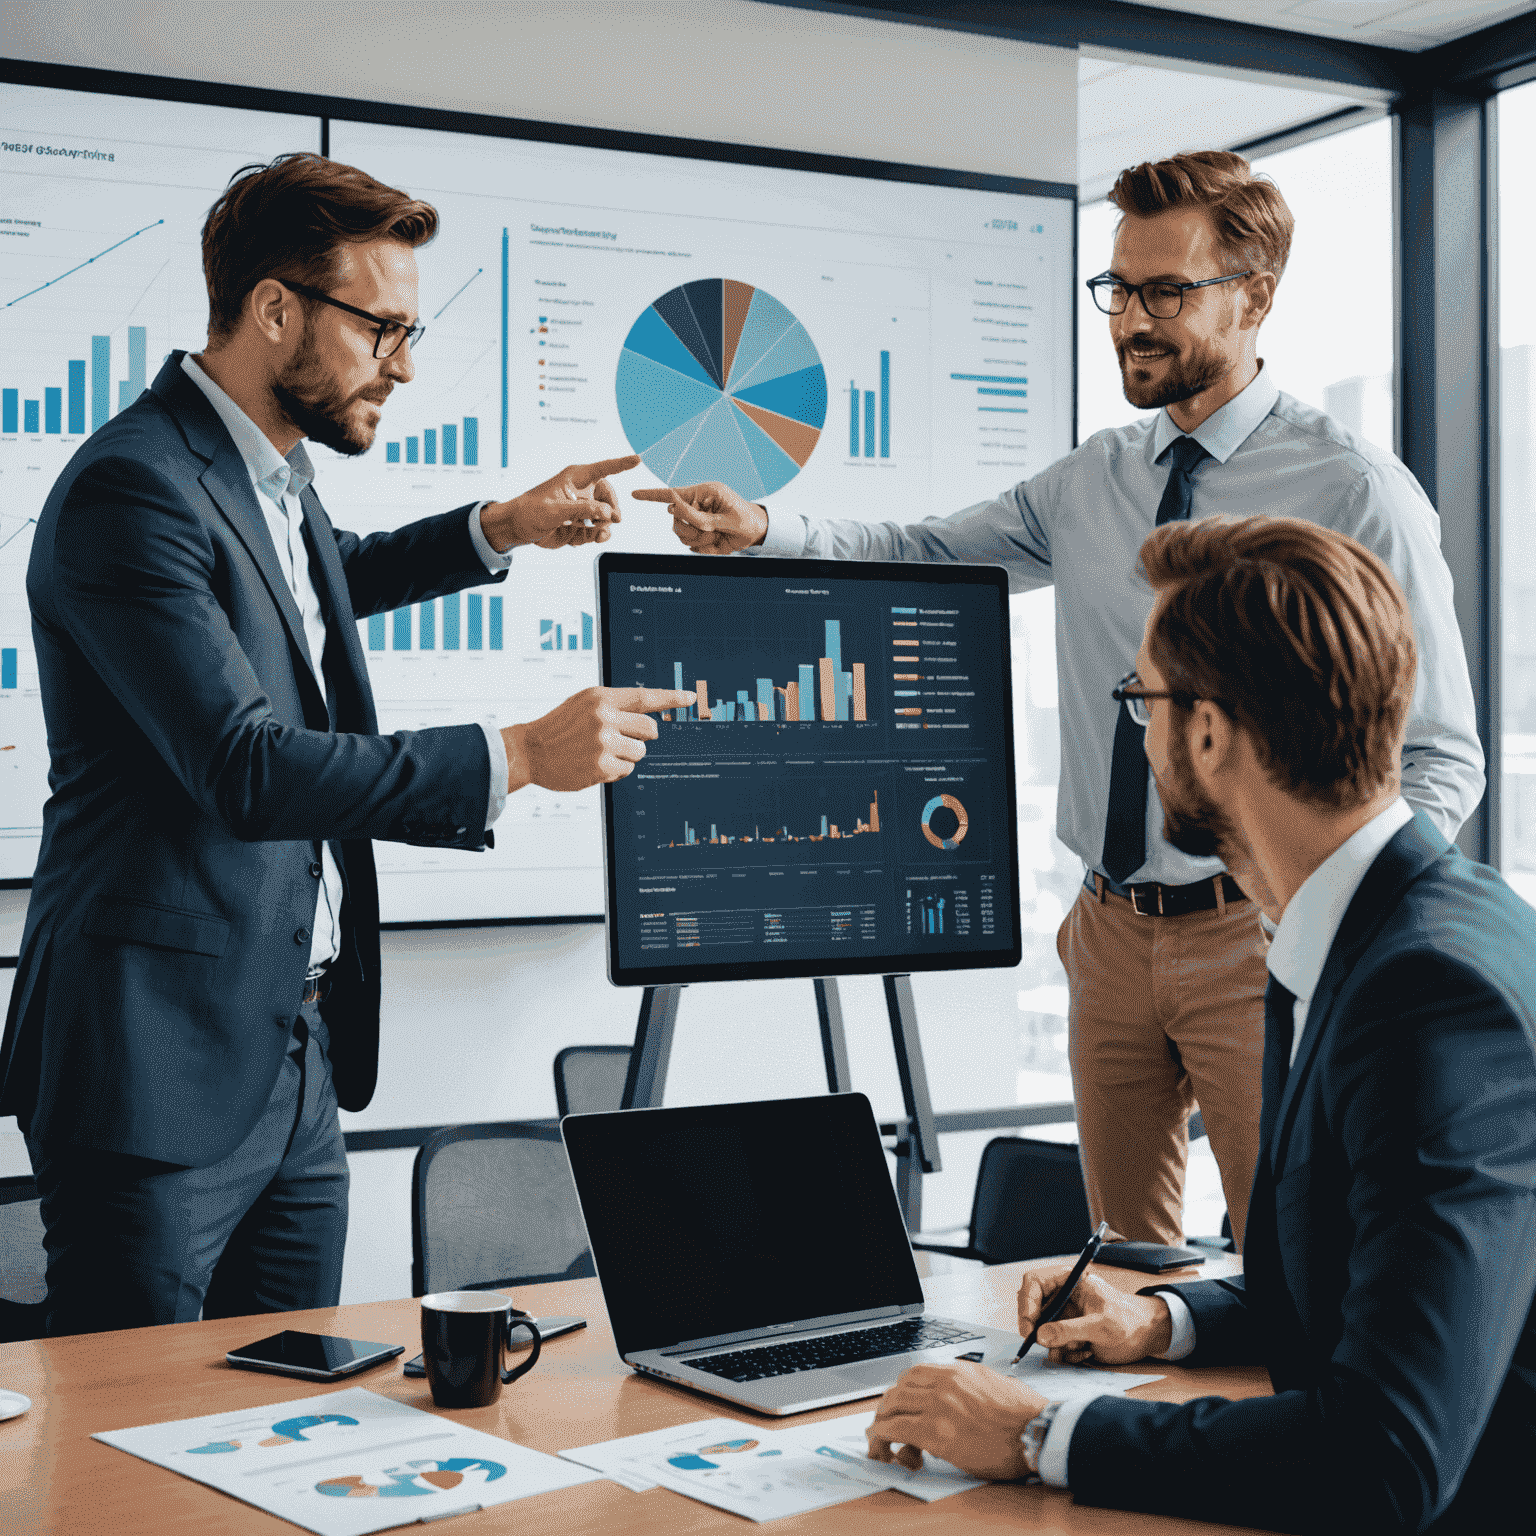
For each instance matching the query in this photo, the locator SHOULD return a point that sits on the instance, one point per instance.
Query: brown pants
(1165, 1013)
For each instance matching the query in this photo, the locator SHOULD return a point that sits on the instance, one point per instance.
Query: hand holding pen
(1085, 1315)
(1059, 1301)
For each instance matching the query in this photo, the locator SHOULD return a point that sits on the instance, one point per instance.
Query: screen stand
(917, 1152)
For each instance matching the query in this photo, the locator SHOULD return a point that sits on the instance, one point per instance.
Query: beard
(1192, 823)
(315, 405)
(1183, 379)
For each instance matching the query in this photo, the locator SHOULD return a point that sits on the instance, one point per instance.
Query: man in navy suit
(198, 984)
(1390, 1263)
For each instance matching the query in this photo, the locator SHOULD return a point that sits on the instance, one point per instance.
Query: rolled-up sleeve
(1009, 530)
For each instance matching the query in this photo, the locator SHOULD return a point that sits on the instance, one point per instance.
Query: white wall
(472, 1018)
(710, 69)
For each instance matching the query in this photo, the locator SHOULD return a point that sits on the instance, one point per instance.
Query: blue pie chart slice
(756, 430)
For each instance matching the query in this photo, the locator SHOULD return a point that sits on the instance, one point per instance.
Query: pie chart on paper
(719, 381)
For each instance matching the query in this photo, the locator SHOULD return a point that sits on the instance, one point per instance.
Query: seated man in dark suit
(1390, 1262)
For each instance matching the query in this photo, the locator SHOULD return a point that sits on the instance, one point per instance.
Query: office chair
(493, 1205)
(23, 1262)
(590, 1077)
(1029, 1203)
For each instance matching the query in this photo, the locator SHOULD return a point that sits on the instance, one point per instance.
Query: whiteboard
(910, 349)
(102, 201)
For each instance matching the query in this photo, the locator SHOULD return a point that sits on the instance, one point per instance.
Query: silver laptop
(757, 1252)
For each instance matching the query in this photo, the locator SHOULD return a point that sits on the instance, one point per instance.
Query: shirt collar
(270, 472)
(1223, 432)
(1311, 919)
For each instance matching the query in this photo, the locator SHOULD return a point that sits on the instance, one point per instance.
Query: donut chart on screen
(719, 381)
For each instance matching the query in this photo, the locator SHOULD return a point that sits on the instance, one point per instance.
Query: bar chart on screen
(822, 689)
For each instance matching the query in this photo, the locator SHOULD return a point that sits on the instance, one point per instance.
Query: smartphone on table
(315, 1356)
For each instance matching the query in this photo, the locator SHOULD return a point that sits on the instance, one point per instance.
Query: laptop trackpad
(872, 1375)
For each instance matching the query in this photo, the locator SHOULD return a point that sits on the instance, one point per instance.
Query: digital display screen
(839, 799)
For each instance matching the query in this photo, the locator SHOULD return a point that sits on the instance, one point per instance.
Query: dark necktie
(1125, 825)
(1279, 1034)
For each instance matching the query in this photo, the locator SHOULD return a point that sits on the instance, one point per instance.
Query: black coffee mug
(464, 1337)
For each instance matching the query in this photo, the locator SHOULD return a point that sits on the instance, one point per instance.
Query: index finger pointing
(645, 700)
(585, 475)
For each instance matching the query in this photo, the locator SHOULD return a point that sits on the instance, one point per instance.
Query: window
(1330, 339)
(1516, 759)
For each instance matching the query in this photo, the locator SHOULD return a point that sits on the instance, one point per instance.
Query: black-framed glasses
(391, 332)
(1134, 694)
(1162, 301)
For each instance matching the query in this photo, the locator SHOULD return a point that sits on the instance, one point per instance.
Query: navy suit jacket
(196, 766)
(1390, 1260)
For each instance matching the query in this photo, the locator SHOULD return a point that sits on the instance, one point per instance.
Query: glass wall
(1516, 760)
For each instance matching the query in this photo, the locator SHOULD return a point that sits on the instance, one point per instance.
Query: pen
(1064, 1295)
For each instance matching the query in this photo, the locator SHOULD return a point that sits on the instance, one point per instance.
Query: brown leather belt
(1153, 900)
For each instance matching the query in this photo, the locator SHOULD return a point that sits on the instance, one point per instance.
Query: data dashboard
(839, 797)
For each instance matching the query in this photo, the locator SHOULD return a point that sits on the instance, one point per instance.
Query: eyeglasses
(1133, 693)
(391, 332)
(1162, 301)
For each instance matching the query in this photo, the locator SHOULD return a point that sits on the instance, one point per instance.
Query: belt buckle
(1136, 905)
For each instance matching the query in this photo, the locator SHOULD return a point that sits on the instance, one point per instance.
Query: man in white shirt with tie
(1164, 955)
(1389, 1278)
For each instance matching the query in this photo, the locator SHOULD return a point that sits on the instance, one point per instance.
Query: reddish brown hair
(1303, 637)
(1253, 224)
(289, 219)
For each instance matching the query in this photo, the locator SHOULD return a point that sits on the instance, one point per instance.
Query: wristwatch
(1033, 1438)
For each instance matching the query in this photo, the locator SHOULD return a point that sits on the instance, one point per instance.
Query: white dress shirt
(1080, 525)
(279, 482)
(1308, 927)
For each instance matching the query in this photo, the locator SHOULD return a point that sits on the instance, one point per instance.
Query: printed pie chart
(719, 381)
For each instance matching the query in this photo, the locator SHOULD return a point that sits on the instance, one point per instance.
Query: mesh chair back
(590, 1078)
(1030, 1201)
(493, 1205)
(23, 1262)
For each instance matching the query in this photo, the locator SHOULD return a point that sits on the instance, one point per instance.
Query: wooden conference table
(54, 1478)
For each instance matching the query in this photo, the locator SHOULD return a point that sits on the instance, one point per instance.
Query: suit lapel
(336, 601)
(1412, 850)
(228, 484)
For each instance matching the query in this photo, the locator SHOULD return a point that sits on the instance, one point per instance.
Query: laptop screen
(721, 1218)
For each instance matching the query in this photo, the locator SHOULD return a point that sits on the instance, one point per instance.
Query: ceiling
(1127, 113)
(1415, 25)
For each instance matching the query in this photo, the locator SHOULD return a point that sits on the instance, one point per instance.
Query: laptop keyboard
(832, 1349)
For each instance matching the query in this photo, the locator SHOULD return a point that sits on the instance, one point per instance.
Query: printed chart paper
(765, 1474)
(844, 1438)
(347, 1463)
(1058, 1381)
(760, 1474)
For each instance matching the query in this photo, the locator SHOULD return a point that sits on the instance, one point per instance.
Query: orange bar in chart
(897, 640)
(909, 711)
(858, 691)
(791, 693)
(828, 689)
(702, 689)
(874, 813)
